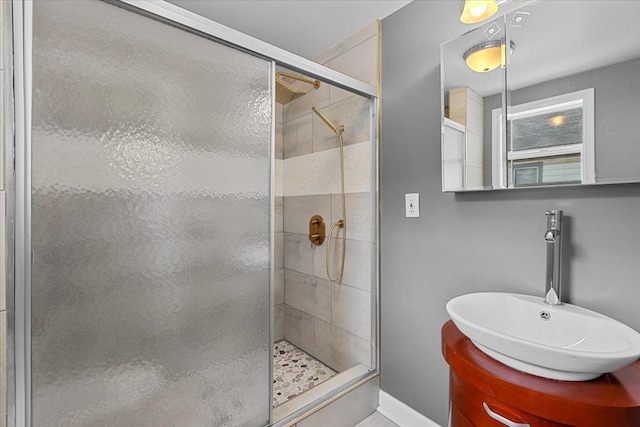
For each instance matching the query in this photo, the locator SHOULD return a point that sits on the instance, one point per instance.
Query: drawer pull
(502, 419)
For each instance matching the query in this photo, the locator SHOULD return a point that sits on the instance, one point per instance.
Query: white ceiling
(304, 27)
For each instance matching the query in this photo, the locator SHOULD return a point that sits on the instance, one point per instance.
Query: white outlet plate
(412, 205)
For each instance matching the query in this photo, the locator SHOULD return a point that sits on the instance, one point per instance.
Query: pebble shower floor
(295, 372)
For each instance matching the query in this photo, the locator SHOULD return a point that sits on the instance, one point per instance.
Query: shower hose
(340, 224)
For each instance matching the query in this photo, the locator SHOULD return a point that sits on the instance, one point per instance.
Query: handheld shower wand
(337, 129)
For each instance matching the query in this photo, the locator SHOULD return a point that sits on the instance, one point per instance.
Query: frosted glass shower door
(150, 223)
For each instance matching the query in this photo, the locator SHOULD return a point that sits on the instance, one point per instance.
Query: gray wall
(489, 241)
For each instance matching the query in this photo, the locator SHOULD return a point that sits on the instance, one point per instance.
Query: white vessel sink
(560, 342)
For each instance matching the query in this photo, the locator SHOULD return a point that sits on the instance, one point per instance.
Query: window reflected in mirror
(549, 142)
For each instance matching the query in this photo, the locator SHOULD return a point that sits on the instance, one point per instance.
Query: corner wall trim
(402, 414)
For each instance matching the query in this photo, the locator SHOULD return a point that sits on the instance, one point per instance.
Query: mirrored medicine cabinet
(546, 95)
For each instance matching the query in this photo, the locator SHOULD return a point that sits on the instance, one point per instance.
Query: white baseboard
(401, 414)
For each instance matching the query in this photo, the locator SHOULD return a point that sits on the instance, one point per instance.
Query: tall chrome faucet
(553, 237)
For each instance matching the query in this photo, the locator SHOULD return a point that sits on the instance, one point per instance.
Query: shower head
(286, 92)
(337, 129)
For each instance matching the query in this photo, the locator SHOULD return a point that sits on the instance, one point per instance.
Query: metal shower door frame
(19, 399)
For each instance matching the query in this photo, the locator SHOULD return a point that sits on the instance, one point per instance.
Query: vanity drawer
(477, 409)
(457, 419)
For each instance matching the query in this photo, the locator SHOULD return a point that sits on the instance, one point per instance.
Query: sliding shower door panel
(150, 223)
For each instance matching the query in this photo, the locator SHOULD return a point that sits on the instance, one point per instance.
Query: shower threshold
(299, 394)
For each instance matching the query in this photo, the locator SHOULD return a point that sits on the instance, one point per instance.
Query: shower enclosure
(144, 216)
(323, 287)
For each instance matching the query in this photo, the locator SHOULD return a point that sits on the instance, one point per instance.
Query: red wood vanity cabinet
(479, 385)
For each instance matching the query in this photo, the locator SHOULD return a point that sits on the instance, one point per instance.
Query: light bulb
(478, 10)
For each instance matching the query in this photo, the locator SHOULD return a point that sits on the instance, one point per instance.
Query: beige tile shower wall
(279, 152)
(314, 173)
(330, 344)
(331, 321)
(278, 301)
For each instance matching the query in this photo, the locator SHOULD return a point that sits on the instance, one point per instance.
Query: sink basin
(564, 342)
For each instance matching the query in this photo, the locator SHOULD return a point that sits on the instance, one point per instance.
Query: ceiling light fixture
(487, 56)
(475, 11)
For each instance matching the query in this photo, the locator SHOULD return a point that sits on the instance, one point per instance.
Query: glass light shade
(488, 56)
(478, 10)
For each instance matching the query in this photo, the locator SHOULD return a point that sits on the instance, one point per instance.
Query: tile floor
(377, 420)
(295, 372)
